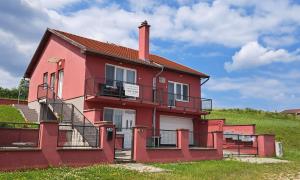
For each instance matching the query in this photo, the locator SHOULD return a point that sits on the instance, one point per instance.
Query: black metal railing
(77, 136)
(159, 138)
(19, 135)
(65, 113)
(115, 88)
(240, 144)
(201, 139)
(179, 101)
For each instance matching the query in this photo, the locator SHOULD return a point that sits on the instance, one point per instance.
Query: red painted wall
(4, 101)
(12, 135)
(181, 153)
(266, 145)
(240, 129)
(48, 154)
(74, 68)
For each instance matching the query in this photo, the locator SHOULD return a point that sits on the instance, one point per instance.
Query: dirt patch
(257, 160)
(140, 167)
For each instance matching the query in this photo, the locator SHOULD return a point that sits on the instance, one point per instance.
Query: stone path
(140, 167)
(258, 160)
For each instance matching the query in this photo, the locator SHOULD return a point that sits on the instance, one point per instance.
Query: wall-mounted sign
(131, 90)
(162, 79)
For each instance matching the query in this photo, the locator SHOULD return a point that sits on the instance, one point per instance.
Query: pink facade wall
(48, 154)
(181, 153)
(74, 68)
(240, 129)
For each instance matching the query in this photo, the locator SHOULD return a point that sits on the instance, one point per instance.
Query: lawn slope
(10, 114)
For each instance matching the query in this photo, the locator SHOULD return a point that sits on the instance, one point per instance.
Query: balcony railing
(115, 88)
(172, 100)
(118, 89)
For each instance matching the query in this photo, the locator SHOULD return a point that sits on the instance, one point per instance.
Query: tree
(14, 92)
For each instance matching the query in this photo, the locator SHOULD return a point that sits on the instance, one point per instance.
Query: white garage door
(173, 123)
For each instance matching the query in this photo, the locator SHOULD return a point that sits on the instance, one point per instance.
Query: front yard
(285, 128)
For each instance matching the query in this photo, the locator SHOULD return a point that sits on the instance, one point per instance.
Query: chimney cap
(144, 23)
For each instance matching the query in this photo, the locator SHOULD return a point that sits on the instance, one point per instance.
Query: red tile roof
(128, 53)
(291, 111)
(113, 50)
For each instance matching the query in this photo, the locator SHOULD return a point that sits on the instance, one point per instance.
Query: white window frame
(124, 75)
(175, 91)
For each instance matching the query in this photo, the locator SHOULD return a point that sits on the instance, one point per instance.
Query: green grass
(286, 128)
(10, 114)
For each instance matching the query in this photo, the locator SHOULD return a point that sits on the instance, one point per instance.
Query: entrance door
(128, 121)
(60, 83)
(124, 120)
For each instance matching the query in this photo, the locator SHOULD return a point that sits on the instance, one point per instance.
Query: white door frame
(60, 83)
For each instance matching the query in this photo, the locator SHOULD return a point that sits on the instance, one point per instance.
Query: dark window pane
(130, 76)
(178, 91)
(118, 119)
(110, 75)
(185, 90)
(119, 74)
(108, 114)
(171, 96)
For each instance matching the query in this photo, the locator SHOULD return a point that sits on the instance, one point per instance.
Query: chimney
(144, 31)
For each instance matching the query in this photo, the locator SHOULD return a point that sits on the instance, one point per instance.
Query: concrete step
(29, 114)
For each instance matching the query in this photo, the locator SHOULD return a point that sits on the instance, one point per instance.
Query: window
(121, 118)
(45, 78)
(114, 74)
(178, 91)
(52, 80)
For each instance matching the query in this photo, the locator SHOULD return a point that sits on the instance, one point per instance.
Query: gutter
(155, 93)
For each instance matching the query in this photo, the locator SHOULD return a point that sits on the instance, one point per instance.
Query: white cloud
(51, 4)
(258, 88)
(193, 23)
(253, 54)
(8, 80)
(274, 41)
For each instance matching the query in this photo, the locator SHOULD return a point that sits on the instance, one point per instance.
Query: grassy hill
(286, 128)
(10, 114)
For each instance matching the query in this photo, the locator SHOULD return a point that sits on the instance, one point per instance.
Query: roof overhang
(88, 51)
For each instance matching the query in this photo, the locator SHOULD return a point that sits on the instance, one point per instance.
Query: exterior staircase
(80, 131)
(29, 115)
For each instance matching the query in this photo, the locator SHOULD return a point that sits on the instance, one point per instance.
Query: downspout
(155, 93)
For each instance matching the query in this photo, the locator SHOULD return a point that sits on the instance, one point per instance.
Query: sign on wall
(131, 90)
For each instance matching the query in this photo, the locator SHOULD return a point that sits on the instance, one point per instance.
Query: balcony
(120, 92)
(101, 89)
(178, 103)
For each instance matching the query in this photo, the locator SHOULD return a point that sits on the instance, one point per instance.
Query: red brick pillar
(183, 139)
(48, 141)
(139, 144)
(266, 145)
(105, 142)
(218, 143)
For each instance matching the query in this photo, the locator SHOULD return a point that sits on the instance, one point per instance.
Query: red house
(108, 82)
(100, 103)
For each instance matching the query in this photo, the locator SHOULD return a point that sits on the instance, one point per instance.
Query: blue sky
(249, 48)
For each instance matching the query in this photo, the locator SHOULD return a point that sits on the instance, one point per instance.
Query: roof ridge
(123, 52)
